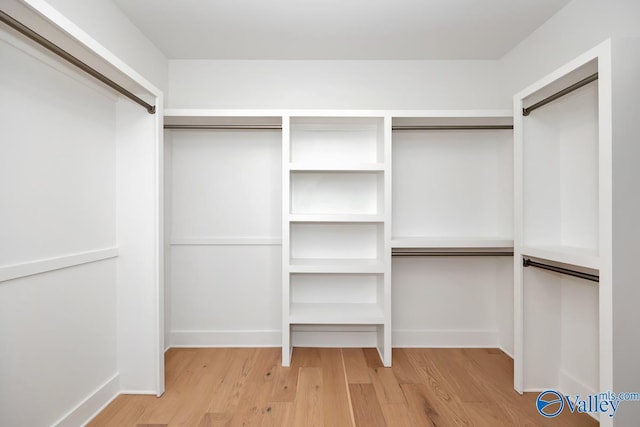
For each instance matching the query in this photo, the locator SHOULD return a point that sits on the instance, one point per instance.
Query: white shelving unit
(336, 243)
(573, 177)
(452, 202)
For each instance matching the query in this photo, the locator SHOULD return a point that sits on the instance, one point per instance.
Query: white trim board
(444, 338)
(350, 337)
(248, 338)
(226, 241)
(92, 405)
(16, 271)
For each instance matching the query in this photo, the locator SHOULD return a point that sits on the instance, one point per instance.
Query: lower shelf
(310, 265)
(336, 313)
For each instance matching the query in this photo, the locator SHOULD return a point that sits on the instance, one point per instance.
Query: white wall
(579, 26)
(106, 23)
(57, 187)
(225, 196)
(335, 84)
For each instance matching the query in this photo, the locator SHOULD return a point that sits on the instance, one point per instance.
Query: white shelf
(346, 167)
(335, 218)
(451, 242)
(580, 257)
(308, 265)
(336, 313)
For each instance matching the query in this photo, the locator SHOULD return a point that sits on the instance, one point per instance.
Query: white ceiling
(338, 29)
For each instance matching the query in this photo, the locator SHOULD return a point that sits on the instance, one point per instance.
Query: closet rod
(224, 127)
(29, 33)
(593, 77)
(447, 253)
(452, 127)
(528, 263)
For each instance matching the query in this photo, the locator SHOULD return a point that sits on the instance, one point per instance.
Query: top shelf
(580, 257)
(451, 243)
(338, 167)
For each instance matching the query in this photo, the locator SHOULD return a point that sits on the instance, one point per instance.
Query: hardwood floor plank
(214, 420)
(278, 414)
(335, 398)
(356, 366)
(372, 357)
(398, 415)
(308, 406)
(366, 408)
(453, 365)
(252, 405)
(204, 373)
(420, 405)
(439, 393)
(307, 357)
(403, 369)
(386, 385)
(125, 410)
(286, 382)
(229, 388)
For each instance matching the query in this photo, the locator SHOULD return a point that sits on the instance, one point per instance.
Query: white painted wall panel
(226, 288)
(226, 184)
(58, 341)
(449, 301)
(57, 186)
(336, 84)
(57, 173)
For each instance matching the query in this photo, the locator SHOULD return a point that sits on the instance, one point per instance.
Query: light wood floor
(334, 388)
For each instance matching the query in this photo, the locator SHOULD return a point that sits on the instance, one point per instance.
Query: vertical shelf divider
(286, 242)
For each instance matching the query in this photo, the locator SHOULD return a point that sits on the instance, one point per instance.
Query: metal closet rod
(526, 262)
(593, 77)
(29, 33)
(223, 127)
(448, 253)
(452, 127)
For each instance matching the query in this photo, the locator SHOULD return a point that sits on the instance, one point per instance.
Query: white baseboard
(141, 392)
(425, 338)
(568, 384)
(345, 336)
(266, 338)
(502, 349)
(86, 410)
(333, 338)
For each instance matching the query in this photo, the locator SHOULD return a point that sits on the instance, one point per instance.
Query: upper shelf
(580, 257)
(53, 26)
(451, 243)
(337, 167)
(335, 218)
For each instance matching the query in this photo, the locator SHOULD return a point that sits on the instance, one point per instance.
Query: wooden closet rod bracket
(560, 94)
(452, 127)
(592, 277)
(29, 33)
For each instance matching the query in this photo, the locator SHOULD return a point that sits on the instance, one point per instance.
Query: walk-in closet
(336, 214)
